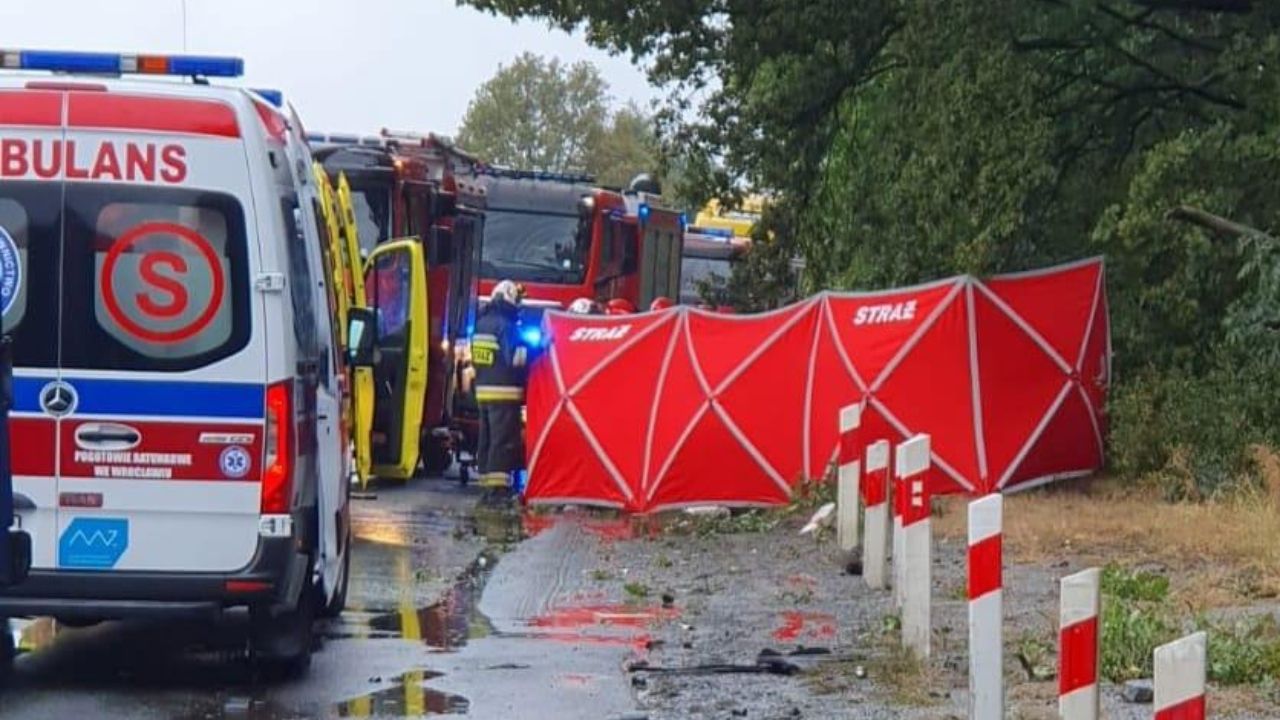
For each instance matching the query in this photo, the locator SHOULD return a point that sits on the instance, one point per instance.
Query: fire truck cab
(404, 186)
(564, 238)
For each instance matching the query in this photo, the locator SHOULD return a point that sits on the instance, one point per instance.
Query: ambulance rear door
(162, 344)
(30, 241)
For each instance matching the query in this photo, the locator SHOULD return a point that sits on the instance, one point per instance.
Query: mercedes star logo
(58, 398)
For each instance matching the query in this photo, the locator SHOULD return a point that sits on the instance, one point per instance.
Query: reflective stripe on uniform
(499, 393)
(493, 479)
(484, 340)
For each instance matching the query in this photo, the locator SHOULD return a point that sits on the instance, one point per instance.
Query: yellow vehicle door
(396, 287)
(362, 390)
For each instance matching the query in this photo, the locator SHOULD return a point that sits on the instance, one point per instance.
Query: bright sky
(348, 66)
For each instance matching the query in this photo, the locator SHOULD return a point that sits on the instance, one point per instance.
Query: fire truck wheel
(436, 458)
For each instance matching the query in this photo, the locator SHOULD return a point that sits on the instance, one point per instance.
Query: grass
(1218, 554)
(636, 590)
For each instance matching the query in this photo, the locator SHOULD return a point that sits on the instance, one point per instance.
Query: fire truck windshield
(372, 206)
(697, 273)
(532, 247)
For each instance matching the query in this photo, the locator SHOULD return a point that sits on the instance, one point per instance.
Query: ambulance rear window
(157, 279)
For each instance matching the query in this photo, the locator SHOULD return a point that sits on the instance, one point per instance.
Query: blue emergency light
(532, 336)
(275, 97)
(644, 212)
(96, 63)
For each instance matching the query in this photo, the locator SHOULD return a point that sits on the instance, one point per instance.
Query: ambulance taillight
(277, 479)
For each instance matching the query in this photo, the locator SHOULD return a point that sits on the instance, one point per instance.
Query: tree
(908, 139)
(538, 114)
(626, 148)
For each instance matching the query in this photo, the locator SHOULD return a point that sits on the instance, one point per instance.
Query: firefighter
(499, 360)
(661, 303)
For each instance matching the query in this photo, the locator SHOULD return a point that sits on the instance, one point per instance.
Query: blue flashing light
(72, 62)
(96, 63)
(684, 221)
(192, 65)
(275, 97)
(532, 336)
(644, 212)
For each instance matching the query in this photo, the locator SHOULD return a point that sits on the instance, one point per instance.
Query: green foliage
(1136, 619)
(1245, 652)
(1134, 585)
(542, 114)
(636, 590)
(906, 140)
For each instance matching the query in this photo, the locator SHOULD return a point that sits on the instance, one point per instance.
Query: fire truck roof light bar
(95, 63)
(345, 139)
(536, 175)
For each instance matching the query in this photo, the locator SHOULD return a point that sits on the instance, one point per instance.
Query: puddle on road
(444, 626)
(409, 697)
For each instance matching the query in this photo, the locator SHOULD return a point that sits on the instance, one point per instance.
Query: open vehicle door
(396, 288)
(362, 390)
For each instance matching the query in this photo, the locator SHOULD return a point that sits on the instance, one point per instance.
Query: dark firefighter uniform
(499, 360)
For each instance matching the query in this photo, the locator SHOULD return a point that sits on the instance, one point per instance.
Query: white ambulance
(178, 447)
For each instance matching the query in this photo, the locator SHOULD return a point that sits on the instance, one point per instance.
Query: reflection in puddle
(444, 626)
(408, 698)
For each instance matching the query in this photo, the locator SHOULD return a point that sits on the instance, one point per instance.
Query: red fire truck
(564, 238)
(406, 186)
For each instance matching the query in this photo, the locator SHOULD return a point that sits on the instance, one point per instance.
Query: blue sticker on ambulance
(93, 543)
(10, 271)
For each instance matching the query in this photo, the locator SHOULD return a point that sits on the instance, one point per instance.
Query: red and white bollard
(847, 478)
(912, 469)
(1180, 678)
(875, 497)
(898, 554)
(1078, 645)
(986, 608)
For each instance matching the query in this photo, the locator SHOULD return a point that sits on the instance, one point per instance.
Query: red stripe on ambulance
(157, 114)
(30, 108)
(168, 451)
(33, 448)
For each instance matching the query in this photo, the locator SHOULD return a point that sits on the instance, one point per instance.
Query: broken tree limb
(1215, 223)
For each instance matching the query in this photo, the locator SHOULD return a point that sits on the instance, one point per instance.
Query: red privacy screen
(682, 407)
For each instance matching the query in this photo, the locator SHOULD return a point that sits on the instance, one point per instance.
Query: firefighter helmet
(584, 306)
(509, 291)
(661, 303)
(619, 306)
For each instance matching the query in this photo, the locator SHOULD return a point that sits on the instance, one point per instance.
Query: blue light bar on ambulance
(94, 63)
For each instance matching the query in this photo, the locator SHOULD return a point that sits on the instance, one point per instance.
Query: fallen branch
(1216, 223)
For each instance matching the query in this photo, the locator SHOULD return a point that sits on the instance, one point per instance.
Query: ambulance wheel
(281, 644)
(333, 608)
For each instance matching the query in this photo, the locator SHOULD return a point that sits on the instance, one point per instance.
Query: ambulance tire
(282, 644)
(334, 607)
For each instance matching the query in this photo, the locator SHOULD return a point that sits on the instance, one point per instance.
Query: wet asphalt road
(418, 638)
